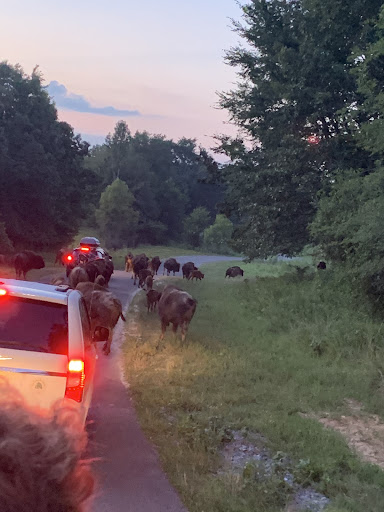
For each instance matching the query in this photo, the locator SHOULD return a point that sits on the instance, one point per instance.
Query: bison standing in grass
(153, 297)
(25, 261)
(196, 274)
(171, 265)
(187, 268)
(234, 272)
(176, 307)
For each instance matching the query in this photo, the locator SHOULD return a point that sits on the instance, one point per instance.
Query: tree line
(134, 188)
(307, 164)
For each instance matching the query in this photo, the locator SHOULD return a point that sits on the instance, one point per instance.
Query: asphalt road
(130, 478)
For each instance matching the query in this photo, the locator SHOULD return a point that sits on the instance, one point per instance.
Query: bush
(218, 236)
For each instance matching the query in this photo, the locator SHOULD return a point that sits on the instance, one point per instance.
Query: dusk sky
(155, 64)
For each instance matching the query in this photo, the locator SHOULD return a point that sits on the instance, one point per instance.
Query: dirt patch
(363, 433)
(248, 450)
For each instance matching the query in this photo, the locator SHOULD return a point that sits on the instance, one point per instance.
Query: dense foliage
(42, 180)
(116, 217)
(296, 81)
(165, 177)
(348, 224)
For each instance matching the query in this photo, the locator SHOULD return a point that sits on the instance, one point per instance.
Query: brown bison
(155, 264)
(140, 262)
(171, 265)
(149, 282)
(196, 274)
(187, 268)
(153, 297)
(234, 272)
(176, 307)
(78, 275)
(143, 274)
(25, 261)
(129, 262)
(104, 309)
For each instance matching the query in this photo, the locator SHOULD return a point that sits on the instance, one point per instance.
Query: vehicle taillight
(75, 380)
(3, 292)
(69, 258)
(84, 249)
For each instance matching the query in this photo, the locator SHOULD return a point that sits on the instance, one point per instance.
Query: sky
(156, 64)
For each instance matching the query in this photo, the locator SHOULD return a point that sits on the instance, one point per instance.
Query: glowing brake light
(76, 365)
(84, 249)
(75, 380)
(69, 258)
(3, 292)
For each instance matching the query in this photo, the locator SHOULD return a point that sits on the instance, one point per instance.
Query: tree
(42, 180)
(294, 81)
(218, 236)
(116, 217)
(348, 224)
(167, 178)
(195, 224)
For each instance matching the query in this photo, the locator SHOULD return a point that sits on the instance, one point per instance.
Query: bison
(153, 297)
(187, 268)
(143, 274)
(25, 261)
(171, 265)
(149, 282)
(104, 309)
(176, 307)
(234, 272)
(129, 262)
(155, 264)
(78, 275)
(140, 262)
(196, 274)
(321, 265)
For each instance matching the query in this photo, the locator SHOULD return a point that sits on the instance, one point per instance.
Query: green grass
(261, 353)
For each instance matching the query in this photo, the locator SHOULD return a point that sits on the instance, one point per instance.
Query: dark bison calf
(143, 274)
(187, 268)
(196, 274)
(176, 307)
(25, 261)
(234, 272)
(322, 265)
(153, 297)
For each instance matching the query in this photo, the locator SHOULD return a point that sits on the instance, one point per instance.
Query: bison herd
(175, 306)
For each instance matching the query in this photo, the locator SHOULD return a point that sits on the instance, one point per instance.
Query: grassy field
(264, 356)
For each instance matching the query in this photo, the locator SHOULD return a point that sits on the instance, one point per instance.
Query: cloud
(70, 101)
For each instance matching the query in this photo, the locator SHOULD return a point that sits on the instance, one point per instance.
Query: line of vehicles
(47, 348)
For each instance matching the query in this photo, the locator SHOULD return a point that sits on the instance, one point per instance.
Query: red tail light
(3, 292)
(84, 249)
(69, 258)
(75, 380)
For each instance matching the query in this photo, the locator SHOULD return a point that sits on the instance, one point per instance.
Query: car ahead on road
(46, 346)
(89, 249)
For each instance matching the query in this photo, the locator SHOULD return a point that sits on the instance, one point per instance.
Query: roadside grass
(262, 353)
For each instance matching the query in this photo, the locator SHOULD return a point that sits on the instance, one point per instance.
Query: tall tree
(348, 224)
(41, 175)
(294, 83)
